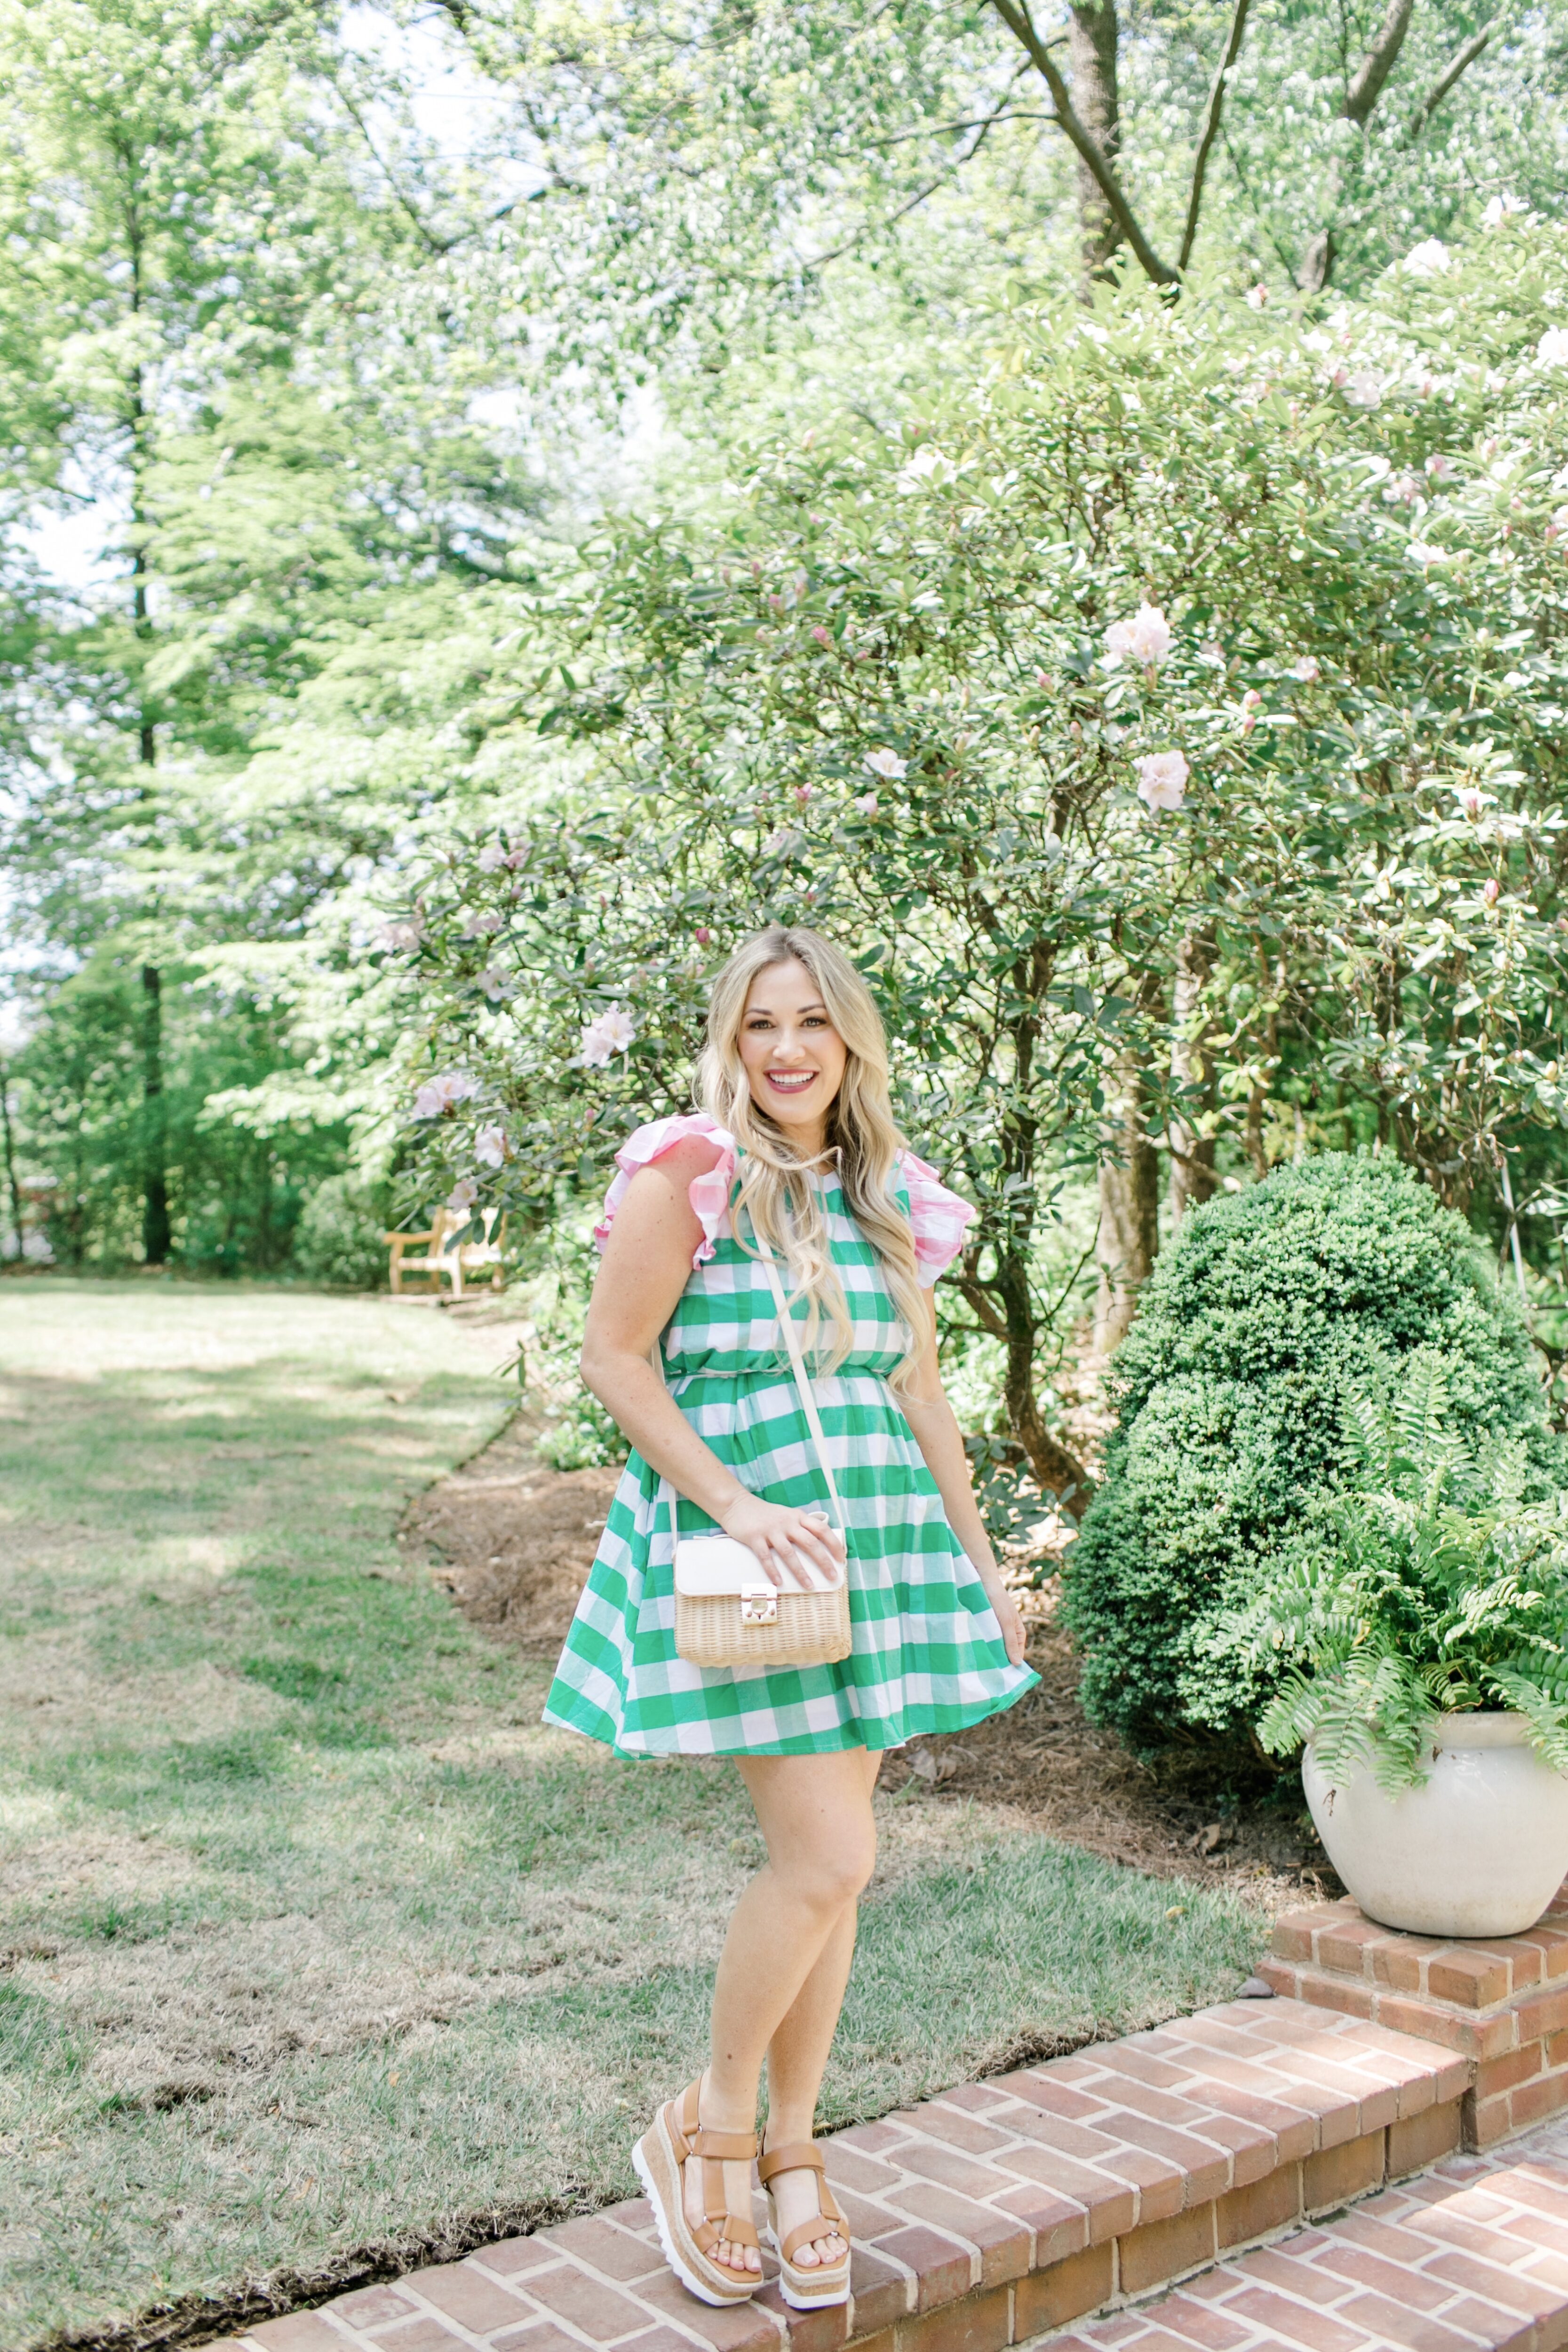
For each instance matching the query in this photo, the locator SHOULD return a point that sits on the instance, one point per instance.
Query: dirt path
(515, 1541)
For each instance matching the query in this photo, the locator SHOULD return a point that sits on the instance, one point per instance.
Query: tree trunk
(1129, 1233)
(1059, 1472)
(156, 1236)
(1091, 46)
(1192, 1154)
(1361, 94)
(264, 1217)
(12, 1185)
(1005, 1304)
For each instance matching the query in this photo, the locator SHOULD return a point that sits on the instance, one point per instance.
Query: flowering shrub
(1187, 635)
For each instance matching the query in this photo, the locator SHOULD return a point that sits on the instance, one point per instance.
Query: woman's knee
(832, 1874)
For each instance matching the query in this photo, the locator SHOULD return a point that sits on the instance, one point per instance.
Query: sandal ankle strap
(800, 2157)
(696, 2139)
(723, 2147)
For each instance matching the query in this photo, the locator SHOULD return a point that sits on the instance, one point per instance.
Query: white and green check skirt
(928, 1652)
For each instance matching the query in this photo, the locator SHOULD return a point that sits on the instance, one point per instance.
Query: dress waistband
(781, 1371)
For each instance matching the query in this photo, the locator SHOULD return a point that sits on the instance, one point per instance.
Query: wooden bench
(444, 1258)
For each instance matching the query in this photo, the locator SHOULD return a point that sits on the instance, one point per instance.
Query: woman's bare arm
(937, 1434)
(646, 1266)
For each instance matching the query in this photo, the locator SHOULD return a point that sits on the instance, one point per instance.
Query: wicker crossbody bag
(726, 1611)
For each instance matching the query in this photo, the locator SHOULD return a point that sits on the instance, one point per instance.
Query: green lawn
(313, 1937)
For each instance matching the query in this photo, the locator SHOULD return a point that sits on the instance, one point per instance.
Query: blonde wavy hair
(783, 1208)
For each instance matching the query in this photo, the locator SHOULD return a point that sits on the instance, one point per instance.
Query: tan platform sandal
(823, 2283)
(676, 2133)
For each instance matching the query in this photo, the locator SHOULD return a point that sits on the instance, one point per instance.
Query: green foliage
(86, 1126)
(338, 1240)
(1435, 1587)
(580, 1435)
(1266, 1309)
(876, 694)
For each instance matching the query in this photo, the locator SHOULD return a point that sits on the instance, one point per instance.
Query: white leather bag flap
(709, 1565)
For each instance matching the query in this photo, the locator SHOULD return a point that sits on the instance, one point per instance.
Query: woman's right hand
(794, 1547)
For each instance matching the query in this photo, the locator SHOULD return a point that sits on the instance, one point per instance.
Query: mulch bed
(513, 1541)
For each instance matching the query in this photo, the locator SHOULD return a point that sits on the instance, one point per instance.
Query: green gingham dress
(928, 1652)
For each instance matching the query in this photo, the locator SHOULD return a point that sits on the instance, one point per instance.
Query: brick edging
(1501, 2004)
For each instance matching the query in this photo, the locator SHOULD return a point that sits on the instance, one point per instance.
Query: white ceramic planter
(1479, 1851)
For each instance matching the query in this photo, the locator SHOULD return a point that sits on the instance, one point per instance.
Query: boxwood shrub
(1265, 1309)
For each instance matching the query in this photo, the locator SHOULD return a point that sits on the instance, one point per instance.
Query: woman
(796, 1152)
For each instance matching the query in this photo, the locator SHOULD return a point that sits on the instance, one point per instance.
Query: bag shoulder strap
(803, 1382)
(801, 1377)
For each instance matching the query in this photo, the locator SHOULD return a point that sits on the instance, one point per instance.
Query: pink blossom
(1491, 892)
(491, 857)
(1251, 704)
(806, 795)
(489, 1146)
(928, 468)
(463, 1195)
(1145, 639)
(440, 1094)
(498, 985)
(609, 1034)
(1163, 779)
(704, 936)
(1552, 350)
(401, 937)
(1308, 668)
(1500, 209)
(824, 636)
(479, 923)
(866, 803)
(887, 764)
(1257, 298)
(1439, 467)
(1430, 258)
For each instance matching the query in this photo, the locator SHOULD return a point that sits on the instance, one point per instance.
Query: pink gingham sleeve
(939, 1217)
(709, 1195)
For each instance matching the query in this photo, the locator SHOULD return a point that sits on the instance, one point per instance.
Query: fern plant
(1429, 1586)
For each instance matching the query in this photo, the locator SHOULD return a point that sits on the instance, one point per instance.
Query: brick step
(1473, 2254)
(1502, 2005)
(990, 2215)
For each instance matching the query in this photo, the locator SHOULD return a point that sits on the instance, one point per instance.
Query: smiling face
(793, 1057)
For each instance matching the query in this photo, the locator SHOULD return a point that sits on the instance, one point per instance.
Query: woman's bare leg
(797, 2056)
(815, 1813)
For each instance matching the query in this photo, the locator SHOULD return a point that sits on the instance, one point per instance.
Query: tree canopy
(1069, 503)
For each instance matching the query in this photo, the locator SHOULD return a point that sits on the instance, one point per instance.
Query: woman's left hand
(1012, 1625)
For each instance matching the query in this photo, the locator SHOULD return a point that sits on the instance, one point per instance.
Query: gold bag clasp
(758, 1605)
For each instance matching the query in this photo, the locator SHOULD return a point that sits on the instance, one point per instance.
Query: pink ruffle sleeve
(709, 1195)
(939, 1217)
